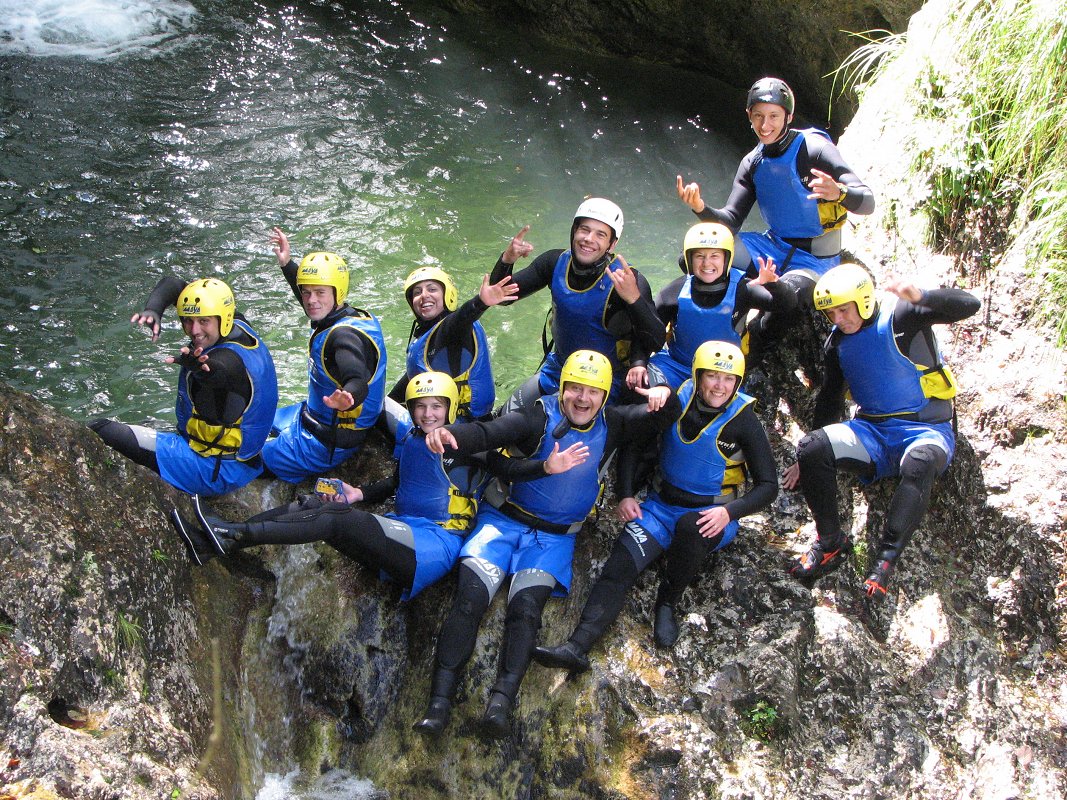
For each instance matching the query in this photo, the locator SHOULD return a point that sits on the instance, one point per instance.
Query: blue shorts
(183, 467)
(769, 245)
(295, 454)
(887, 442)
(658, 520)
(674, 372)
(514, 546)
(548, 378)
(436, 551)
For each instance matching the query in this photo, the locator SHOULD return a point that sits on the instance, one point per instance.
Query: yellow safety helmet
(208, 297)
(847, 283)
(708, 235)
(433, 274)
(587, 367)
(719, 357)
(434, 384)
(324, 269)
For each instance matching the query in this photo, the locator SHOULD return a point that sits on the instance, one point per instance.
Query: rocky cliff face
(734, 40)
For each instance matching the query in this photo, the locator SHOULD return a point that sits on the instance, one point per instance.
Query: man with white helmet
(599, 302)
(346, 371)
(886, 356)
(227, 394)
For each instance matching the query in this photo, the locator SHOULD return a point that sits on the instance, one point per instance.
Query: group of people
(503, 494)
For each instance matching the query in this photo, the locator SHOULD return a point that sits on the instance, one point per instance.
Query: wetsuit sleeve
(647, 333)
(822, 154)
(522, 428)
(165, 294)
(514, 470)
(937, 307)
(830, 400)
(346, 351)
(223, 393)
(748, 431)
(776, 296)
(382, 490)
(644, 432)
(741, 199)
(530, 279)
(455, 328)
(667, 301)
(399, 389)
(289, 272)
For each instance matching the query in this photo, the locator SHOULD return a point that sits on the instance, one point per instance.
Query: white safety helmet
(602, 211)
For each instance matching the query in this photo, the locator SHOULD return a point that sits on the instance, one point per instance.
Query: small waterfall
(96, 29)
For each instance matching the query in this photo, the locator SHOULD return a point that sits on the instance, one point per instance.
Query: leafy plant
(762, 721)
(159, 556)
(130, 633)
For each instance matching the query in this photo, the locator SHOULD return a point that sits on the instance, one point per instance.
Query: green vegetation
(130, 633)
(159, 556)
(762, 721)
(998, 167)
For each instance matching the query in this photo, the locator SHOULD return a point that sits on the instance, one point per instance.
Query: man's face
(716, 388)
(592, 241)
(768, 121)
(581, 403)
(429, 413)
(428, 299)
(707, 263)
(846, 317)
(317, 300)
(203, 332)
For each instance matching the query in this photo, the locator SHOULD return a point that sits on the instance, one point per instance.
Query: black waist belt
(679, 497)
(808, 247)
(511, 510)
(330, 436)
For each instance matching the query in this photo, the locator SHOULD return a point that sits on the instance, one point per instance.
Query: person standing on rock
(599, 302)
(703, 305)
(346, 371)
(436, 501)
(710, 441)
(886, 356)
(450, 339)
(804, 190)
(527, 530)
(227, 394)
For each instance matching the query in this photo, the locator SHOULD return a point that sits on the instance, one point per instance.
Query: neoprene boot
(496, 722)
(665, 630)
(878, 579)
(438, 712)
(224, 536)
(568, 656)
(197, 544)
(822, 558)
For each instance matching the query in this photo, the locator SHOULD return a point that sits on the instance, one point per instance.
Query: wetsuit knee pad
(472, 596)
(689, 541)
(526, 606)
(803, 287)
(815, 448)
(922, 464)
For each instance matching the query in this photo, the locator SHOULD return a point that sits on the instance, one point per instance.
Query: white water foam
(334, 785)
(97, 29)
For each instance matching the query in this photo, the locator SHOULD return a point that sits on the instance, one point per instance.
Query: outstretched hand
(439, 438)
(518, 248)
(657, 396)
(280, 245)
(637, 376)
(767, 271)
(190, 359)
(559, 461)
(150, 319)
(689, 193)
(905, 290)
(493, 294)
(625, 282)
(340, 400)
(823, 187)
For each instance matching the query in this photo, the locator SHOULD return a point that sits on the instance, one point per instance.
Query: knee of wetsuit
(525, 609)
(815, 449)
(803, 288)
(923, 464)
(98, 424)
(472, 598)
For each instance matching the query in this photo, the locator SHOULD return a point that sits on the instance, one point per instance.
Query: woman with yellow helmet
(711, 444)
(447, 337)
(227, 393)
(346, 370)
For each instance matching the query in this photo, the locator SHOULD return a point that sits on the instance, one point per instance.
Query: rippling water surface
(145, 137)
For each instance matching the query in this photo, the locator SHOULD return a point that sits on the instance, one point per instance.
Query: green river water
(146, 137)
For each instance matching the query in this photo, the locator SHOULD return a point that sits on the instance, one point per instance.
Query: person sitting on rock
(448, 339)
(706, 303)
(804, 190)
(436, 502)
(527, 530)
(886, 355)
(346, 371)
(599, 302)
(710, 441)
(227, 394)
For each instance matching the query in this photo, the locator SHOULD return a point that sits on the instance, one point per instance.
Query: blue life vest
(477, 392)
(882, 380)
(696, 325)
(322, 384)
(425, 489)
(783, 197)
(579, 322)
(568, 497)
(244, 438)
(699, 466)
